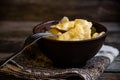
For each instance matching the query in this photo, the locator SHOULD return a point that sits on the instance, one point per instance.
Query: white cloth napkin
(109, 52)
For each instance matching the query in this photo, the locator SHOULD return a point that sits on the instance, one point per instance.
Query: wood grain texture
(41, 10)
(14, 31)
(110, 76)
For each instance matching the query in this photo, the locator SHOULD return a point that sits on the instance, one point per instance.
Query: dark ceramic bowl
(69, 53)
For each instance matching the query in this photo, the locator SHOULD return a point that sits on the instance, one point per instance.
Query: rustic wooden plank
(6, 26)
(51, 1)
(5, 55)
(10, 46)
(110, 76)
(28, 25)
(37, 10)
(112, 26)
(85, 2)
(114, 67)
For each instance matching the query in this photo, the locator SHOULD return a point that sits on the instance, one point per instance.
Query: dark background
(40, 10)
(18, 17)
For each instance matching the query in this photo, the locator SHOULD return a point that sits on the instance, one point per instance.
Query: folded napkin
(91, 71)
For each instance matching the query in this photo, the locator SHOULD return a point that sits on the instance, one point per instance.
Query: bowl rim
(94, 22)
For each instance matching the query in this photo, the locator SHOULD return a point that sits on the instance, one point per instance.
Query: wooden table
(13, 34)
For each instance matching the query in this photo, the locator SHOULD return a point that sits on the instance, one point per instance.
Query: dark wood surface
(98, 10)
(18, 17)
(13, 34)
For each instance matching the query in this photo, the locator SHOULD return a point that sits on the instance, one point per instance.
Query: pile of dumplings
(78, 29)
